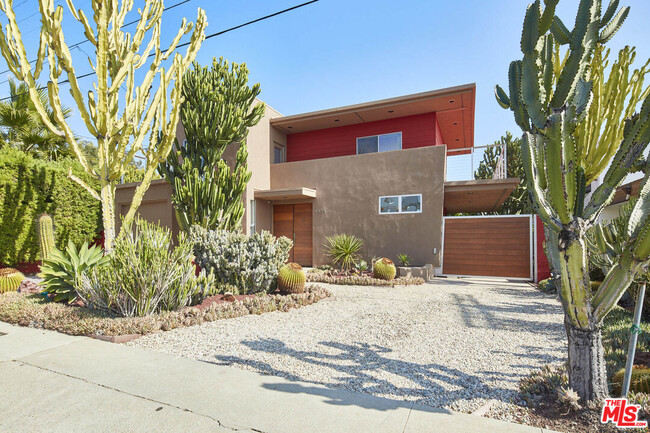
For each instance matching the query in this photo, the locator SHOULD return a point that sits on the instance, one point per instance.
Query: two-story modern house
(376, 170)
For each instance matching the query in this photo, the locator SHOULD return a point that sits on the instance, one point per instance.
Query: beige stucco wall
(348, 190)
(156, 204)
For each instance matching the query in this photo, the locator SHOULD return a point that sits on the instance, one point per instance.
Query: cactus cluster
(45, 235)
(639, 382)
(10, 280)
(291, 279)
(384, 269)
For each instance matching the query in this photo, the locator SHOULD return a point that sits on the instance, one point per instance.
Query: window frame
(283, 154)
(253, 217)
(401, 135)
(399, 204)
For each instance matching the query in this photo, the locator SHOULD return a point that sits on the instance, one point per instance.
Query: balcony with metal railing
(463, 164)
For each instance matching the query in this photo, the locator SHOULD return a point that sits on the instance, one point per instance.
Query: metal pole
(633, 338)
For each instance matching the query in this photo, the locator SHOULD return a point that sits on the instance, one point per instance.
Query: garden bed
(360, 279)
(36, 312)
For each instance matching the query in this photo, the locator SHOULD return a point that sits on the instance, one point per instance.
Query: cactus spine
(122, 115)
(291, 278)
(45, 235)
(10, 280)
(384, 269)
(551, 102)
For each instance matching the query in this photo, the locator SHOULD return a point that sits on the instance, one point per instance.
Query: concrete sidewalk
(50, 382)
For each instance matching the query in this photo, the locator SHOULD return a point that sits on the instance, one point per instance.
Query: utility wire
(187, 43)
(76, 44)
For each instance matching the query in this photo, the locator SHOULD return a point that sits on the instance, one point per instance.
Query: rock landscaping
(450, 344)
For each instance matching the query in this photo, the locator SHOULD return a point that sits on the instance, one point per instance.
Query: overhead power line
(76, 44)
(207, 37)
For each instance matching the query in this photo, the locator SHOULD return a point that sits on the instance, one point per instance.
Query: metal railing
(462, 164)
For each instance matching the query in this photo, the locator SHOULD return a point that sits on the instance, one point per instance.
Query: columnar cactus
(10, 280)
(384, 269)
(122, 116)
(45, 235)
(551, 101)
(291, 278)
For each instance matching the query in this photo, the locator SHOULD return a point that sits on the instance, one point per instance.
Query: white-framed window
(253, 217)
(379, 143)
(395, 204)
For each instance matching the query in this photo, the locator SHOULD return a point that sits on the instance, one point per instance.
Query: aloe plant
(552, 101)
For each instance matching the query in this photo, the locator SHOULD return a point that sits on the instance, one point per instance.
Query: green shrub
(145, 275)
(344, 250)
(249, 263)
(30, 187)
(404, 259)
(547, 285)
(62, 271)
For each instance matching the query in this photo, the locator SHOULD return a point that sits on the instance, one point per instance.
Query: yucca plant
(62, 270)
(404, 259)
(344, 250)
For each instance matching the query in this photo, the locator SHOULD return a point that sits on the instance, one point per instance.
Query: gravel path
(450, 343)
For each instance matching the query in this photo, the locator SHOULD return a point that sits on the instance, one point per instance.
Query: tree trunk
(587, 374)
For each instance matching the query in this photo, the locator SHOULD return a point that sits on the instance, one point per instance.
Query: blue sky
(335, 52)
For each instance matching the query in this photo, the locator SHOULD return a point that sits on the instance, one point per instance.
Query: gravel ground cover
(450, 343)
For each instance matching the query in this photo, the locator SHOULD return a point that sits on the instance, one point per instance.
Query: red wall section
(417, 131)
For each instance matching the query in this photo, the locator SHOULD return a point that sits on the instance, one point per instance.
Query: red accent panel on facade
(420, 130)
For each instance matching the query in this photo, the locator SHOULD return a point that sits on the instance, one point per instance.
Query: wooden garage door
(295, 222)
(488, 246)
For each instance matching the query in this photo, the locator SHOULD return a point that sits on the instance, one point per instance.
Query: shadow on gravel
(360, 365)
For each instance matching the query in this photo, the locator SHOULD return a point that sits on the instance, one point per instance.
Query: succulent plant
(291, 278)
(384, 269)
(640, 381)
(10, 280)
(45, 235)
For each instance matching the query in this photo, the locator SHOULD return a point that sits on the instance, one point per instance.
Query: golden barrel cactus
(639, 382)
(291, 279)
(384, 269)
(10, 280)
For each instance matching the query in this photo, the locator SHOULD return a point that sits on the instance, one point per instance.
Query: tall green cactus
(126, 119)
(216, 115)
(45, 235)
(551, 102)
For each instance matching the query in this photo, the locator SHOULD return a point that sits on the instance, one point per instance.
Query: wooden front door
(295, 222)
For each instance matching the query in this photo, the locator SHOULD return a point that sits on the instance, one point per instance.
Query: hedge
(29, 187)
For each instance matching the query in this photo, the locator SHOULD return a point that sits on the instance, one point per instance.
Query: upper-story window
(379, 143)
(278, 153)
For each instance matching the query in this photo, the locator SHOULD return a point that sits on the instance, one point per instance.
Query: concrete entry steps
(50, 382)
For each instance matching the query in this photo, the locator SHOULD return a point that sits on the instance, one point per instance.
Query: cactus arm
(546, 20)
(574, 289)
(502, 97)
(618, 279)
(555, 168)
(610, 29)
(609, 13)
(516, 105)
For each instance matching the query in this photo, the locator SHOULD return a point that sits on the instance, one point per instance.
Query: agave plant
(404, 259)
(344, 250)
(62, 270)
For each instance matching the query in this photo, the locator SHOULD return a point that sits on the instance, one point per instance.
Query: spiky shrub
(576, 125)
(291, 278)
(126, 118)
(218, 111)
(62, 271)
(384, 269)
(344, 250)
(45, 235)
(248, 263)
(404, 259)
(145, 274)
(639, 382)
(10, 280)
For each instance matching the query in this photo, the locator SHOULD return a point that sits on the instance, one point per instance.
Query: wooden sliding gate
(489, 246)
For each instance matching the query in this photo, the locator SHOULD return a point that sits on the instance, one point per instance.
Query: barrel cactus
(10, 280)
(384, 269)
(45, 235)
(639, 382)
(291, 278)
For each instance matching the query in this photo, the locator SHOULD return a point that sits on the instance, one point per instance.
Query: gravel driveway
(449, 343)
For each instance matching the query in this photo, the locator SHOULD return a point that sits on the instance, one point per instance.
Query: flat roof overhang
(485, 195)
(454, 107)
(286, 194)
(624, 192)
